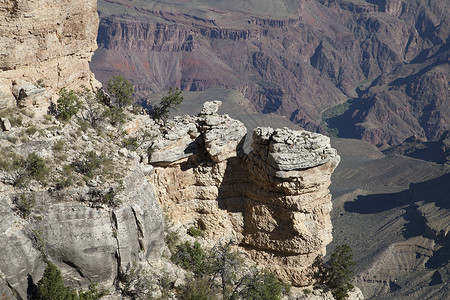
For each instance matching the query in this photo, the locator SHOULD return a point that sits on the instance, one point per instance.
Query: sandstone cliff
(274, 202)
(45, 45)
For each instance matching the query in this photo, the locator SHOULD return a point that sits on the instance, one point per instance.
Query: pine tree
(51, 286)
(340, 273)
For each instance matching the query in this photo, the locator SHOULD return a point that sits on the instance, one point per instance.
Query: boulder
(5, 124)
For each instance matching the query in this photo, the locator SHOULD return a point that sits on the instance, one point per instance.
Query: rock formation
(87, 238)
(46, 45)
(274, 202)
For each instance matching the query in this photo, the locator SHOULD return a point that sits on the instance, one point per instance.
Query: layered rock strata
(274, 201)
(45, 45)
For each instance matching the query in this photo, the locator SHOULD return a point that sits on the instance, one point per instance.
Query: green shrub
(31, 130)
(115, 115)
(89, 164)
(172, 100)
(59, 145)
(130, 143)
(194, 231)
(92, 293)
(198, 289)
(51, 287)
(68, 104)
(36, 167)
(10, 161)
(121, 89)
(171, 238)
(37, 238)
(25, 204)
(220, 271)
(340, 271)
(65, 182)
(263, 286)
(136, 283)
(191, 257)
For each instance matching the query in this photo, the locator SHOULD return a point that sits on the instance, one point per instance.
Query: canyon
(385, 64)
(272, 202)
(258, 180)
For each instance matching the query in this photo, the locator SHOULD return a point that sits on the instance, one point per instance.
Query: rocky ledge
(274, 201)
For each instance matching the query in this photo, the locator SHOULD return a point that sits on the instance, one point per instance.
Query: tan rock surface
(45, 43)
(274, 201)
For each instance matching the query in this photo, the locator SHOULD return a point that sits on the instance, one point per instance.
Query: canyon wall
(388, 59)
(45, 45)
(273, 202)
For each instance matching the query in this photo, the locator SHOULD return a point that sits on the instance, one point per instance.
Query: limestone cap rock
(293, 149)
(211, 107)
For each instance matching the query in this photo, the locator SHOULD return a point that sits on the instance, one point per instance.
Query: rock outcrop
(45, 45)
(91, 229)
(274, 202)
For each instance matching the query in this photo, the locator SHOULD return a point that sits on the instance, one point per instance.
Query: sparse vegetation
(115, 115)
(136, 283)
(334, 112)
(220, 273)
(59, 145)
(108, 197)
(67, 106)
(191, 257)
(172, 100)
(141, 138)
(33, 167)
(89, 164)
(24, 204)
(51, 286)
(93, 107)
(194, 231)
(340, 269)
(37, 238)
(336, 274)
(121, 89)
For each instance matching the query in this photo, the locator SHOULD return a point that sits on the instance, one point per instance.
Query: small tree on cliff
(51, 286)
(68, 105)
(172, 100)
(121, 89)
(340, 271)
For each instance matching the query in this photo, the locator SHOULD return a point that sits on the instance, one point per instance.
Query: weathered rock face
(88, 244)
(90, 240)
(274, 201)
(45, 45)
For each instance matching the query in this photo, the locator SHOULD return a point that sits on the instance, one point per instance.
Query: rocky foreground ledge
(274, 201)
